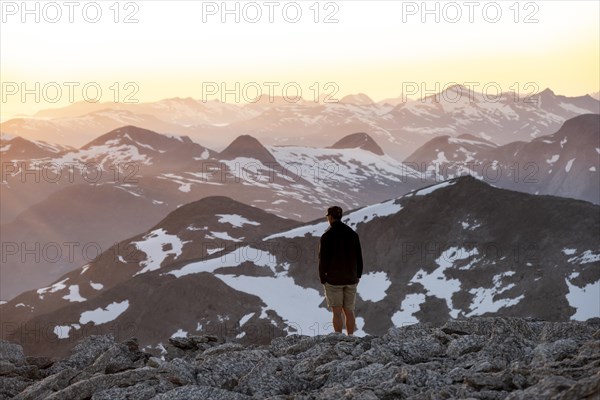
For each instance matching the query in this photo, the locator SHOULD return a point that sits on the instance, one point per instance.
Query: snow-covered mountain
(403, 127)
(78, 130)
(17, 148)
(400, 127)
(128, 179)
(565, 163)
(33, 170)
(192, 232)
(458, 248)
(501, 119)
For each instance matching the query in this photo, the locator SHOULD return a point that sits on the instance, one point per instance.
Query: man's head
(334, 214)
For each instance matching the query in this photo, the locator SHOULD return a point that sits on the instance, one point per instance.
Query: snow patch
(260, 258)
(180, 333)
(74, 295)
(282, 295)
(52, 289)
(104, 315)
(62, 331)
(410, 305)
(96, 286)
(315, 230)
(483, 300)
(585, 299)
(213, 251)
(569, 165)
(279, 293)
(553, 159)
(245, 318)
(372, 286)
(433, 188)
(235, 220)
(363, 215)
(436, 284)
(152, 245)
(222, 236)
(573, 108)
(369, 213)
(585, 258)
(467, 225)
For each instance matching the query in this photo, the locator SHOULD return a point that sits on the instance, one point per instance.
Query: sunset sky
(374, 48)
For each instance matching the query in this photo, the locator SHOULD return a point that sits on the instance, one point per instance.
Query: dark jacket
(340, 256)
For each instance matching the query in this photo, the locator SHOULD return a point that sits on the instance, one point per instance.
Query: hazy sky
(178, 47)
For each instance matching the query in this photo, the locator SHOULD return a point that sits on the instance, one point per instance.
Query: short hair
(335, 212)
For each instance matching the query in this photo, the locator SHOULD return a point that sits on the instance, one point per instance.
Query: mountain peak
(133, 132)
(547, 91)
(456, 88)
(250, 147)
(360, 99)
(360, 140)
(208, 208)
(18, 147)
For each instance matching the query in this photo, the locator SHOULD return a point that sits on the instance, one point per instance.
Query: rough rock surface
(478, 358)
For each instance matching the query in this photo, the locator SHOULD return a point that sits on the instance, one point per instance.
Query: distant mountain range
(399, 126)
(565, 163)
(128, 179)
(74, 203)
(216, 266)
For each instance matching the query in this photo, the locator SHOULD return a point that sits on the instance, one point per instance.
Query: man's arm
(322, 261)
(359, 260)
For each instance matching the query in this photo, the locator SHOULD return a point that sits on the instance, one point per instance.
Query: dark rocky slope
(483, 358)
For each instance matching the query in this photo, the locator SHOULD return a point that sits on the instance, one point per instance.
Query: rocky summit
(476, 358)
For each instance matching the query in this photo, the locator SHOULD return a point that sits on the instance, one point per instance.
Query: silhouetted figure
(340, 269)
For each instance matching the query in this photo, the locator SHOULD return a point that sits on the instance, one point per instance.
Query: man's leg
(337, 319)
(350, 321)
(348, 307)
(335, 301)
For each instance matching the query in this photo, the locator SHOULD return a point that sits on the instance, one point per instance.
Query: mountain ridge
(446, 253)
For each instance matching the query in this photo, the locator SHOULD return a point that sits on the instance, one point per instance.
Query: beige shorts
(340, 295)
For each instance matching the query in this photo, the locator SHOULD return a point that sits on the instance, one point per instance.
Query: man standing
(340, 269)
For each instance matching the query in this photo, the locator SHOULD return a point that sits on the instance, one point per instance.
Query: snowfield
(153, 244)
(104, 315)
